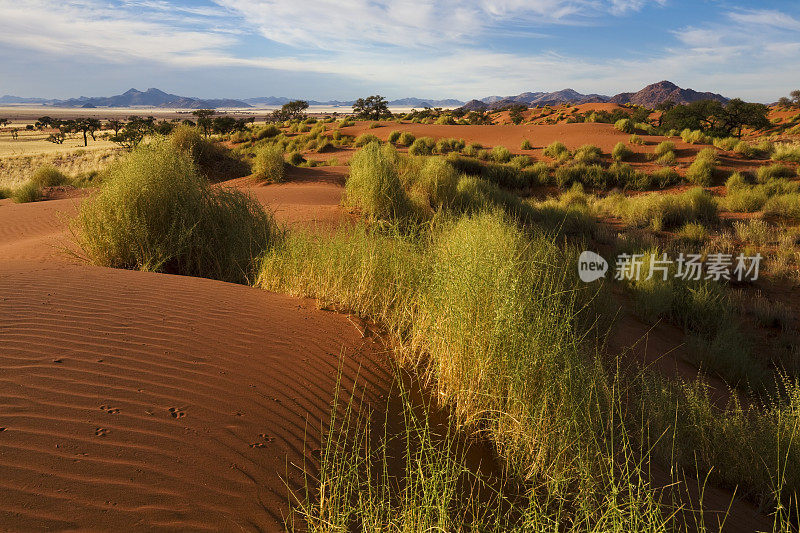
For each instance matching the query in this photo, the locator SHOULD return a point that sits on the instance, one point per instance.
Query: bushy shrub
(664, 148)
(394, 136)
(48, 176)
(296, 158)
(446, 120)
(465, 165)
(213, 161)
(265, 132)
(784, 205)
(526, 145)
(593, 176)
(727, 143)
(635, 139)
(324, 145)
(373, 185)
(744, 149)
(556, 150)
(625, 125)
(156, 212)
(501, 154)
(768, 172)
(786, 152)
(27, 192)
(375, 125)
(366, 138)
(422, 146)
(701, 171)
(268, 164)
(663, 211)
(695, 137)
(621, 152)
(588, 154)
(444, 146)
(406, 139)
(439, 181)
(693, 232)
(665, 177)
(521, 161)
(472, 149)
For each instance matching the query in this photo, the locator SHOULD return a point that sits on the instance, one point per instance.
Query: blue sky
(342, 49)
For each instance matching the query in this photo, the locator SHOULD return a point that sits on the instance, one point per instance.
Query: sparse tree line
(790, 101)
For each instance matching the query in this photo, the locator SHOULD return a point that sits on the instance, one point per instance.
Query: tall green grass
(156, 212)
(373, 185)
(268, 164)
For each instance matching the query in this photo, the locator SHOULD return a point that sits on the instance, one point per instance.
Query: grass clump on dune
(268, 164)
(373, 185)
(212, 160)
(49, 176)
(621, 152)
(27, 192)
(155, 212)
(625, 125)
(662, 211)
(786, 152)
(556, 150)
(768, 172)
(701, 171)
(365, 139)
(588, 154)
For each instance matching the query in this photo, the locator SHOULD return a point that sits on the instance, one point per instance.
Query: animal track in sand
(176, 412)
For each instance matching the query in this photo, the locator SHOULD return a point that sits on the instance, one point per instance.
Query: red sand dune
(141, 401)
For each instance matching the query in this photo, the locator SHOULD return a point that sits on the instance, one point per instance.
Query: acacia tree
(133, 132)
(290, 111)
(4, 122)
(716, 117)
(204, 119)
(372, 108)
(87, 126)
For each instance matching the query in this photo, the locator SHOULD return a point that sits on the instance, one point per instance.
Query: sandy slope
(132, 400)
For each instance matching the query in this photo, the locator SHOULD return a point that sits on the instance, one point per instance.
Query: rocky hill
(663, 91)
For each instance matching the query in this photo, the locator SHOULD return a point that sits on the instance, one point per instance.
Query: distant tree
(739, 114)
(4, 122)
(188, 122)
(57, 138)
(795, 96)
(115, 125)
(204, 119)
(224, 125)
(164, 127)
(134, 131)
(372, 108)
(45, 122)
(15, 133)
(290, 111)
(87, 126)
(515, 114)
(717, 118)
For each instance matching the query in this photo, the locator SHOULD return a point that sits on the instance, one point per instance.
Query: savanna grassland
(343, 324)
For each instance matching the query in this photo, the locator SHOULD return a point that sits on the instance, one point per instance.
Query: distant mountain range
(650, 96)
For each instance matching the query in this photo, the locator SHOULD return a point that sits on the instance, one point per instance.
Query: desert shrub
(502, 175)
(526, 145)
(324, 145)
(366, 138)
(593, 176)
(754, 231)
(296, 158)
(744, 149)
(521, 161)
(635, 139)
(375, 125)
(668, 159)
(268, 164)
(786, 152)
(621, 152)
(625, 125)
(727, 143)
(536, 174)
(693, 232)
(768, 172)
(556, 150)
(465, 165)
(48, 176)
(394, 136)
(648, 129)
(701, 171)
(501, 154)
(422, 146)
(784, 205)
(27, 192)
(444, 146)
(406, 139)
(588, 154)
(664, 177)
(439, 181)
(663, 211)
(5, 192)
(265, 132)
(373, 185)
(213, 161)
(472, 149)
(664, 147)
(446, 120)
(156, 212)
(694, 137)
